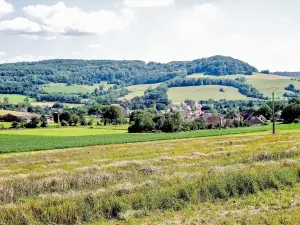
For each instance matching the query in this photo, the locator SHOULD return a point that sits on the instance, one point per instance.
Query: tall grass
(170, 195)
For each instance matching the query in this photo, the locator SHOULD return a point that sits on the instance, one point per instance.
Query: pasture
(238, 179)
(197, 93)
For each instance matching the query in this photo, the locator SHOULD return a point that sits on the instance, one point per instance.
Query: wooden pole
(273, 112)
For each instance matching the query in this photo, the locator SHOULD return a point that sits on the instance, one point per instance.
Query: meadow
(63, 88)
(12, 98)
(197, 93)
(27, 140)
(236, 179)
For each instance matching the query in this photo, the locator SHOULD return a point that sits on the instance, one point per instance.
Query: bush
(64, 123)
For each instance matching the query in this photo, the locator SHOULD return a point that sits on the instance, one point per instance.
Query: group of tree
(150, 120)
(291, 112)
(19, 122)
(153, 98)
(112, 115)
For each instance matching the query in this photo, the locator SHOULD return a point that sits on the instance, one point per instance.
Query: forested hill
(21, 78)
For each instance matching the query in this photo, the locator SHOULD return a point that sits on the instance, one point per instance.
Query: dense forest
(25, 77)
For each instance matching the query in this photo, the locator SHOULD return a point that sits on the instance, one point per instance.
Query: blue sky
(264, 33)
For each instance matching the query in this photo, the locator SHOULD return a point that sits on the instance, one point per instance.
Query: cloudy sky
(265, 33)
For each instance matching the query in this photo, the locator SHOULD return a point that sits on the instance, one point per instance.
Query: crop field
(237, 179)
(197, 93)
(138, 90)
(64, 132)
(13, 98)
(27, 140)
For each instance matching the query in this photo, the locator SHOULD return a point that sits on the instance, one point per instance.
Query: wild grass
(24, 143)
(239, 179)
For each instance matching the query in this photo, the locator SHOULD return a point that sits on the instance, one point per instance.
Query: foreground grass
(23, 143)
(244, 179)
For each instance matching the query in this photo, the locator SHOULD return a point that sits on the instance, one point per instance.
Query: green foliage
(266, 111)
(292, 111)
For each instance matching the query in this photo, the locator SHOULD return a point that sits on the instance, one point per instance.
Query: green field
(64, 132)
(13, 98)
(237, 179)
(196, 93)
(33, 141)
(264, 83)
(138, 90)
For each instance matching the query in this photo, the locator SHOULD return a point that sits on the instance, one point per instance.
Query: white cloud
(60, 20)
(195, 23)
(148, 3)
(5, 7)
(95, 46)
(2, 53)
(26, 58)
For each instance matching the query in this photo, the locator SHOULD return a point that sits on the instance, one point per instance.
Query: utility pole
(273, 112)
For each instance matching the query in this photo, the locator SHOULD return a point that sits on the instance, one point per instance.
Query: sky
(264, 33)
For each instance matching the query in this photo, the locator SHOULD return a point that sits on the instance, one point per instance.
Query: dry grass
(154, 183)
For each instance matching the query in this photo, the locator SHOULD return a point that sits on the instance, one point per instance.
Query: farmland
(196, 93)
(237, 179)
(32, 141)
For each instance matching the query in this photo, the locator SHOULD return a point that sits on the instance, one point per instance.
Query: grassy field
(264, 83)
(13, 98)
(196, 93)
(238, 179)
(33, 141)
(138, 90)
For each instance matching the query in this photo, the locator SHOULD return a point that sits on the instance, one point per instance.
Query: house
(256, 120)
(213, 120)
(188, 113)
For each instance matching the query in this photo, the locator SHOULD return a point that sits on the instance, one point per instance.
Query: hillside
(25, 78)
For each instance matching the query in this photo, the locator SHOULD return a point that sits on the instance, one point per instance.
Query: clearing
(63, 88)
(239, 179)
